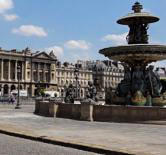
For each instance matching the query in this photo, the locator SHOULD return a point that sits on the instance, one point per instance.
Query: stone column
(44, 76)
(2, 70)
(50, 73)
(22, 71)
(2, 89)
(32, 68)
(38, 77)
(25, 70)
(16, 70)
(9, 79)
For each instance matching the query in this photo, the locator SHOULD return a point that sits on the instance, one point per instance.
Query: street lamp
(18, 95)
(76, 72)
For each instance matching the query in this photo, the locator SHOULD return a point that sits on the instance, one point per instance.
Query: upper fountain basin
(144, 17)
(142, 53)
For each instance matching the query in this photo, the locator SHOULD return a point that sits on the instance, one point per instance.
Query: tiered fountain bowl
(136, 56)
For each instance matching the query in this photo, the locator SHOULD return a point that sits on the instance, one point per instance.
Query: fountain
(140, 85)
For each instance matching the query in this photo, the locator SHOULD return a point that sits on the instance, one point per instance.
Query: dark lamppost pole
(18, 95)
(76, 71)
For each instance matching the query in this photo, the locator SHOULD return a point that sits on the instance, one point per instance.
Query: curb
(82, 147)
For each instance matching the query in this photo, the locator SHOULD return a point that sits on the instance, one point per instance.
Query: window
(41, 66)
(41, 76)
(28, 75)
(35, 76)
(36, 66)
(47, 77)
(52, 75)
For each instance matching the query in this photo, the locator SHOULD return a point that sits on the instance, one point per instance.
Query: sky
(73, 29)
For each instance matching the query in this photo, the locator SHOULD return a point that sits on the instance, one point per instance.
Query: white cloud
(116, 39)
(10, 17)
(159, 63)
(77, 44)
(58, 51)
(30, 30)
(5, 5)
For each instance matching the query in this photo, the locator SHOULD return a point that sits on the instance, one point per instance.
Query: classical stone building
(106, 73)
(40, 69)
(66, 75)
(36, 69)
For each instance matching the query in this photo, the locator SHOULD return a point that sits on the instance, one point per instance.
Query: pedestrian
(13, 100)
(10, 99)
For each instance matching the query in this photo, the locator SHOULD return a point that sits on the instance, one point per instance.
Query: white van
(23, 93)
(51, 93)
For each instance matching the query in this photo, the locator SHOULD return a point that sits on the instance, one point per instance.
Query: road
(132, 138)
(18, 146)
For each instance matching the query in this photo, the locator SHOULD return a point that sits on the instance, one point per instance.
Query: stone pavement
(145, 139)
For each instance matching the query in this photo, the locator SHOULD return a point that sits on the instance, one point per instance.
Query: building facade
(36, 69)
(106, 73)
(66, 75)
(40, 69)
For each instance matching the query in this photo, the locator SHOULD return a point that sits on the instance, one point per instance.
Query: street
(133, 138)
(18, 146)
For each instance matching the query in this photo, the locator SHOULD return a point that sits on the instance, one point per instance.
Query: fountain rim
(148, 48)
(146, 17)
(149, 52)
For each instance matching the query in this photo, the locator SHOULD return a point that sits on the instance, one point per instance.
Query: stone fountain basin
(131, 17)
(143, 53)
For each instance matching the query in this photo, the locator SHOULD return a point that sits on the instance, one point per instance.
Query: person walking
(13, 100)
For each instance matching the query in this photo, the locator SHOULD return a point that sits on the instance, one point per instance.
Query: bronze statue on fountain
(140, 82)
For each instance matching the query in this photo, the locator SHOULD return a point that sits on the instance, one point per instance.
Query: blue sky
(74, 29)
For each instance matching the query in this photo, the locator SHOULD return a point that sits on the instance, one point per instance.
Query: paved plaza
(141, 138)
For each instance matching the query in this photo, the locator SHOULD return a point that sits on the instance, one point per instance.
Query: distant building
(105, 73)
(36, 69)
(65, 75)
(40, 69)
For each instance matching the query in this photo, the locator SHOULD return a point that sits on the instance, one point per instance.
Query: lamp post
(76, 72)
(18, 96)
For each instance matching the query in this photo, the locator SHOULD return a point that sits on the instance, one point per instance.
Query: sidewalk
(144, 139)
